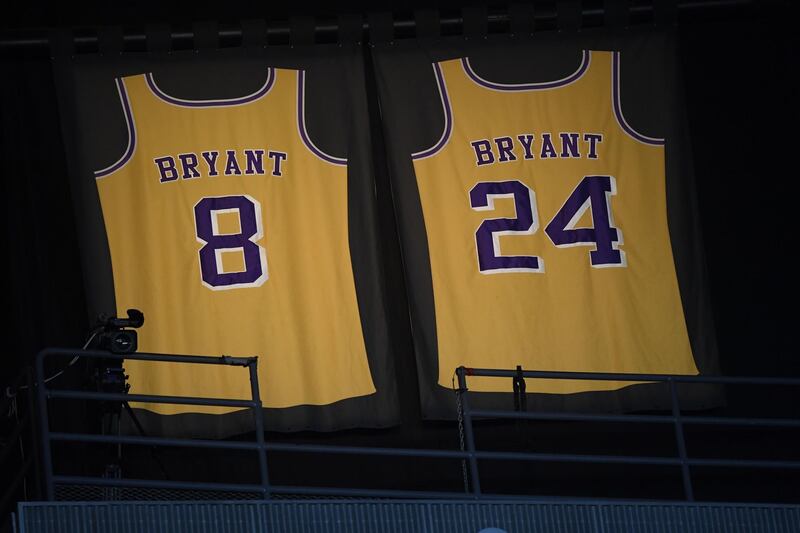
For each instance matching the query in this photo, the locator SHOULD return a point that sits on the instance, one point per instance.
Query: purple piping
(584, 66)
(301, 123)
(212, 103)
(126, 106)
(615, 62)
(448, 117)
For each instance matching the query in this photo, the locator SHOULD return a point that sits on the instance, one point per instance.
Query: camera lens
(122, 341)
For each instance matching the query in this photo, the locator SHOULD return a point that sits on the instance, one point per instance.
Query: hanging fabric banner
(545, 201)
(227, 193)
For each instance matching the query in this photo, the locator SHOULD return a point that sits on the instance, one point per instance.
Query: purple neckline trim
(448, 117)
(617, 104)
(268, 84)
(126, 106)
(584, 66)
(301, 123)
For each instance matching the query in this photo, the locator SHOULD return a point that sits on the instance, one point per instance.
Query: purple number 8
(215, 243)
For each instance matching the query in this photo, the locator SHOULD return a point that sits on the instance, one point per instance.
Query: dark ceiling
(133, 14)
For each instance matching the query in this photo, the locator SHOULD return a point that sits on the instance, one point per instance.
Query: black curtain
(43, 281)
(743, 115)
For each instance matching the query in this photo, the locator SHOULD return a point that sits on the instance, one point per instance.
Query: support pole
(461, 372)
(686, 475)
(258, 417)
(44, 428)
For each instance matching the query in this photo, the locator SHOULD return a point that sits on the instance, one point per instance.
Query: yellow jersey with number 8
(228, 228)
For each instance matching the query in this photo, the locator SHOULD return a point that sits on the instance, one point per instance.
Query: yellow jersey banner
(237, 212)
(535, 217)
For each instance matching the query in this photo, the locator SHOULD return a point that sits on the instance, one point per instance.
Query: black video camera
(114, 336)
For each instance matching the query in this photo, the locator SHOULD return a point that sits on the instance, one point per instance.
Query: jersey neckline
(537, 86)
(220, 102)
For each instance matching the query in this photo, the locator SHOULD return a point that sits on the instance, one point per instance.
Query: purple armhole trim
(448, 117)
(126, 106)
(617, 104)
(268, 84)
(575, 76)
(301, 123)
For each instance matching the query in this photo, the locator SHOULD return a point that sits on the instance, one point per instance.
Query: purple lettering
(232, 165)
(255, 161)
(189, 164)
(483, 152)
(166, 168)
(569, 145)
(548, 150)
(211, 160)
(593, 139)
(277, 158)
(504, 149)
(526, 141)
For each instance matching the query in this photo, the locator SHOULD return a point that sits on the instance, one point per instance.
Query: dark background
(743, 115)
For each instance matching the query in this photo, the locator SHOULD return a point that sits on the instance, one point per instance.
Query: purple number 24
(593, 192)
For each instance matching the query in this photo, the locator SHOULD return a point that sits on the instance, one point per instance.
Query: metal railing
(44, 394)
(675, 418)
(469, 453)
(259, 446)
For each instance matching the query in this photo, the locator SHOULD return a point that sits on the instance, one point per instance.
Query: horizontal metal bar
(607, 376)
(280, 447)
(156, 484)
(147, 398)
(141, 356)
(636, 460)
(415, 452)
(732, 421)
(598, 417)
(228, 487)
(153, 441)
(365, 450)
(745, 463)
(375, 493)
(587, 417)
(389, 493)
(578, 458)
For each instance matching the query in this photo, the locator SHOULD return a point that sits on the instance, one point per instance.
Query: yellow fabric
(571, 317)
(302, 322)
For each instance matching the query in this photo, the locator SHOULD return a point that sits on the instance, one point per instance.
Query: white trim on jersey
(261, 92)
(583, 68)
(301, 124)
(448, 117)
(130, 124)
(616, 104)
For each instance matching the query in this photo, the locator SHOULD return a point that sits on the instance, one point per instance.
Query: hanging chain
(460, 410)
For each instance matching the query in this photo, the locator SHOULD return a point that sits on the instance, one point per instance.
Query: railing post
(34, 431)
(461, 372)
(258, 417)
(44, 427)
(676, 415)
